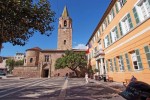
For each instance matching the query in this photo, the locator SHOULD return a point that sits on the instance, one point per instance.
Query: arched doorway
(45, 71)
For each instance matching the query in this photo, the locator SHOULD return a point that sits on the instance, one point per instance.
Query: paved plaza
(58, 89)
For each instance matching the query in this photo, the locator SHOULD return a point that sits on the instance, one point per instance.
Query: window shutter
(122, 64)
(149, 2)
(136, 15)
(108, 42)
(130, 21)
(110, 37)
(124, 1)
(127, 61)
(108, 19)
(111, 65)
(104, 42)
(139, 59)
(107, 65)
(113, 12)
(120, 28)
(115, 64)
(117, 32)
(116, 6)
(147, 51)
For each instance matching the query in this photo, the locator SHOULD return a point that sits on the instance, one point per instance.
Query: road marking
(63, 91)
(36, 83)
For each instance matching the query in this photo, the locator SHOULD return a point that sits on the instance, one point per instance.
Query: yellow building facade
(120, 44)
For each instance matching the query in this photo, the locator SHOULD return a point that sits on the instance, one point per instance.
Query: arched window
(31, 60)
(65, 23)
(64, 42)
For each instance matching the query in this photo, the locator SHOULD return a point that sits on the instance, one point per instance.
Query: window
(121, 64)
(126, 24)
(64, 42)
(114, 34)
(99, 45)
(31, 60)
(106, 41)
(121, 3)
(116, 6)
(25, 60)
(147, 52)
(46, 58)
(111, 65)
(141, 10)
(115, 65)
(111, 15)
(98, 32)
(127, 62)
(136, 59)
(65, 23)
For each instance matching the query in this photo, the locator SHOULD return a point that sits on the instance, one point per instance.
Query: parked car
(2, 73)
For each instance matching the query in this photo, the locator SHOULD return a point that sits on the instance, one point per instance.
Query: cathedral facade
(41, 63)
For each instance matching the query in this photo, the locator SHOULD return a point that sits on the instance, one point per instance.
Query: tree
(73, 60)
(10, 63)
(19, 19)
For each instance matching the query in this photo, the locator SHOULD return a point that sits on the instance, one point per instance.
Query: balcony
(99, 52)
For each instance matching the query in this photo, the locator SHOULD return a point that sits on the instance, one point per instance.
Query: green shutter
(104, 42)
(108, 41)
(130, 21)
(116, 6)
(111, 65)
(108, 19)
(127, 61)
(107, 65)
(139, 59)
(120, 27)
(122, 62)
(147, 51)
(124, 1)
(113, 12)
(136, 15)
(117, 32)
(110, 37)
(149, 2)
(115, 64)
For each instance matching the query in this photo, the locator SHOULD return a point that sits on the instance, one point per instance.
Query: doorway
(46, 73)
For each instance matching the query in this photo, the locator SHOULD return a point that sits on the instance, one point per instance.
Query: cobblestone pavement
(94, 90)
(58, 89)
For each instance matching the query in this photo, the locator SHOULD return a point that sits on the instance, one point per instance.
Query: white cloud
(80, 46)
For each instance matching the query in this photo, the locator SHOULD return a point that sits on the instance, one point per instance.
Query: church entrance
(45, 73)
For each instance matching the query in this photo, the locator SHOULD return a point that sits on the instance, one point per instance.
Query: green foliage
(11, 63)
(96, 70)
(72, 60)
(19, 19)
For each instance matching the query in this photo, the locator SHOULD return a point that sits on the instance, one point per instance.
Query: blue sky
(85, 15)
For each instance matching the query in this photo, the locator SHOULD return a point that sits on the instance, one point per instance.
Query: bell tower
(64, 31)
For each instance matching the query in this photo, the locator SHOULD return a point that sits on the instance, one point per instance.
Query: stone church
(41, 63)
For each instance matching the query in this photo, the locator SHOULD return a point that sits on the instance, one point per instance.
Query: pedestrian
(86, 78)
(66, 77)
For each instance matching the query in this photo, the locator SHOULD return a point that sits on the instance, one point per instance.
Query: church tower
(64, 31)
